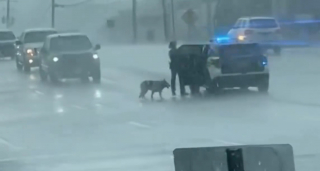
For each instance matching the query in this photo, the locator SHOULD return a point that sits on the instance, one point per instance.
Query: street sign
(111, 23)
(189, 17)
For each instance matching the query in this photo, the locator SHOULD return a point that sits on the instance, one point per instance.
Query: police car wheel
(264, 86)
(213, 88)
(85, 79)
(96, 79)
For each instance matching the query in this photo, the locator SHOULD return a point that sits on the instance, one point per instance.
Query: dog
(153, 86)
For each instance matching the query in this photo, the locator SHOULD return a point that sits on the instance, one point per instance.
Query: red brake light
(247, 32)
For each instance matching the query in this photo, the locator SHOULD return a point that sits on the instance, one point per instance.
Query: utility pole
(8, 14)
(53, 8)
(172, 20)
(134, 20)
(209, 17)
(165, 21)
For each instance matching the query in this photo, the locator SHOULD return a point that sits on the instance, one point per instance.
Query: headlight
(241, 38)
(29, 51)
(55, 59)
(95, 56)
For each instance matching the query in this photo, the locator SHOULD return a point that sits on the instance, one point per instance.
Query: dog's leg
(160, 94)
(143, 93)
(152, 95)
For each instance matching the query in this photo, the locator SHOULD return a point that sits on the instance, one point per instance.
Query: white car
(28, 46)
(263, 30)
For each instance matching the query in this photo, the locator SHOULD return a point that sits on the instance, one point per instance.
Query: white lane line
(228, 142)
(78, 107)
(8, 144)
(138, 124)
(39, 92)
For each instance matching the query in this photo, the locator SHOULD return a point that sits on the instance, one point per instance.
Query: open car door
(193, 59)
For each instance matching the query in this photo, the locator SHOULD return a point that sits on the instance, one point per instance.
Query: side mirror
(18, 42)
(173, 45)
(97, 47)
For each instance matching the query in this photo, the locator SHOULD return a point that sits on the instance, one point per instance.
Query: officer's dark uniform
(174, 67)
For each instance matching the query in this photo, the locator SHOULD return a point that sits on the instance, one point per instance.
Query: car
(28, 45)
(238, 65)
(263, 30)
(7, 44)
(69, 55)
(229, 65)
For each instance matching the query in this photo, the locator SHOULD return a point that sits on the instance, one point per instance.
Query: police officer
(174, 67)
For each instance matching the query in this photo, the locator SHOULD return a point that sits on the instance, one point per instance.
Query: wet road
(91, 127)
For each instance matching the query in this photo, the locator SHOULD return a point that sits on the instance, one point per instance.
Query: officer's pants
(174, 74)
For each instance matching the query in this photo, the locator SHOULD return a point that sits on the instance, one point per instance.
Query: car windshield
(70, 43)
(37, 36)
(263, 23)
(8, 35)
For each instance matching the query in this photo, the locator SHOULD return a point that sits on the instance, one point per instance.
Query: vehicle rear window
(263, 23)
(70, 43)
(37, 36)
(240, 50)
(8, 35)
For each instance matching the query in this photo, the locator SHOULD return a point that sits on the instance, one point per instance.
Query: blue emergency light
(222, 39)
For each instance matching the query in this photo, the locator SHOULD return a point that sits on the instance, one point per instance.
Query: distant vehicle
(28, 45)
(228, 66)
(69, 55)
(7, 44)
(262, 30)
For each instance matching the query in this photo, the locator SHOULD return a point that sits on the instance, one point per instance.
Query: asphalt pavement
(79, 126)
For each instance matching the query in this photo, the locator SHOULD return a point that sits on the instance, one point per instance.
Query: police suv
(238, 65)
(69, 55)
(225, 65)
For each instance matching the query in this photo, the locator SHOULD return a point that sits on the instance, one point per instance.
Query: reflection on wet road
(86, 126)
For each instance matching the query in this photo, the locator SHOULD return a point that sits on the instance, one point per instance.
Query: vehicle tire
(43, 75)
(214, 88)
(263, 87)
(26, 68)
(96, 76)
(53, 78)
(277, 50)
(85, 79)
(18, 65)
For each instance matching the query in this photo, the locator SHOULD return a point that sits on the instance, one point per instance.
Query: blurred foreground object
(271, 157)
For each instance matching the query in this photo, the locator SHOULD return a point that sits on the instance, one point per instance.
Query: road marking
(7, 143)
(228, 142)
(78, 107)
(138, 124)
(39, 92)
